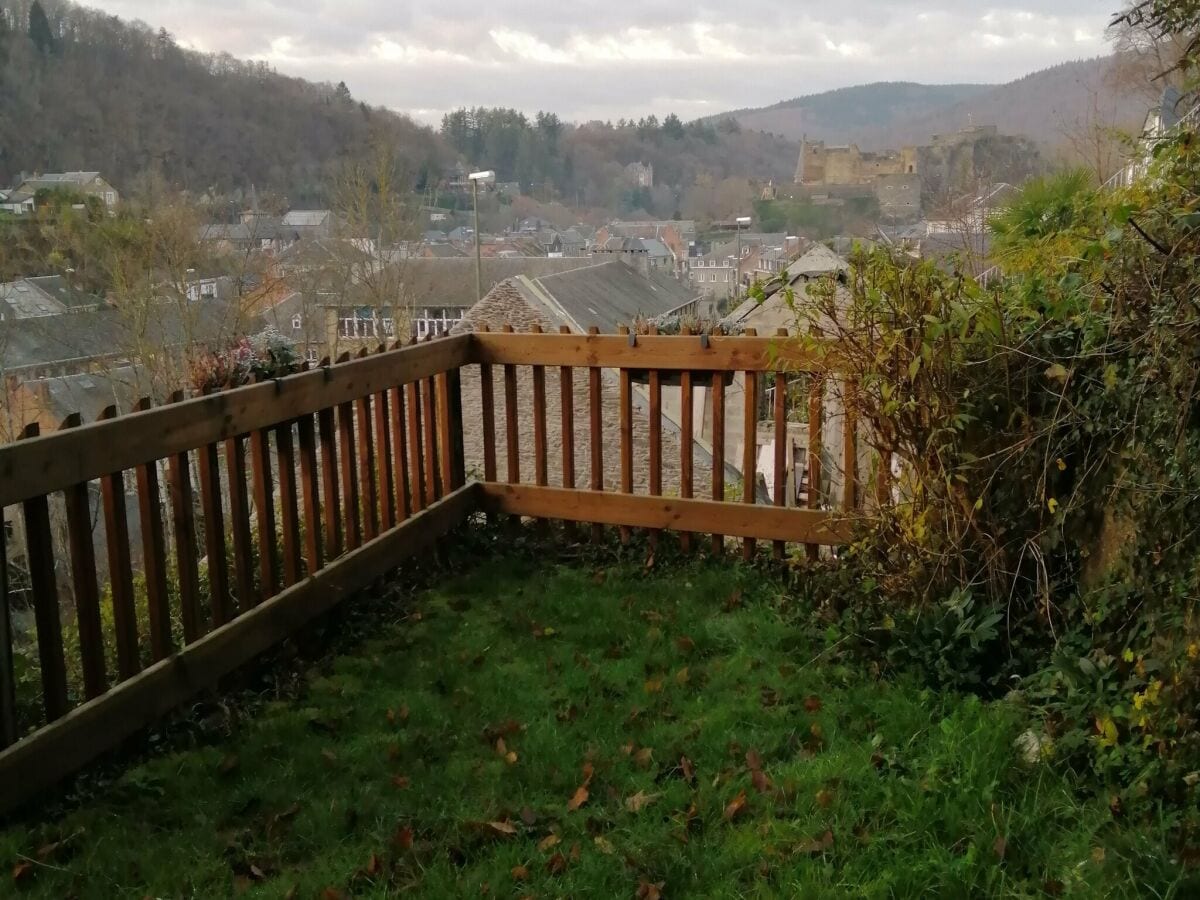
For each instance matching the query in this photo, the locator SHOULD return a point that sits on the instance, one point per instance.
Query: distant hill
(101, 93)
(1041, 106)
(841, 115)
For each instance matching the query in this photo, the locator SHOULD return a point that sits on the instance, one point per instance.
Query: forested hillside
(840, 115)
(83, 90)
(1046, 106)
(585, 164)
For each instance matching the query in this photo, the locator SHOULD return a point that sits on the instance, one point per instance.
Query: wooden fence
(263, 506)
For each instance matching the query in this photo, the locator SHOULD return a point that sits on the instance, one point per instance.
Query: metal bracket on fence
(327, 368)
(704, 340)
(632, 339)
(278, 385)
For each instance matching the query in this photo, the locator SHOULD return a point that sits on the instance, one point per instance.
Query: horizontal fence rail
(149, 554)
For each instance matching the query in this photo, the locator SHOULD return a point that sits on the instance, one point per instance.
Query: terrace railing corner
(212, 528)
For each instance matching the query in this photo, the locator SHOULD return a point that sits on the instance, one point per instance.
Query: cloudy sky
(616, 58)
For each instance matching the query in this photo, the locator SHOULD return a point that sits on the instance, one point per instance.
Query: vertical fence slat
(779, 415)
(433, 486)
(264, 510)
(8, 678)
(120, 567)
(566, 392)
(331, 510)
(289, 512)
(458, 448)
(400, 448)
(511, 437)
(816, 407)
(655, 485)
(850, 448)
(540, 450)
(214, 533)
(239, 523)
(154, 554)
(750, 448)
(383, 461)
(183, 518)
(39, 549)
(718, 451)
(488, 402)
(626, 427)
(417, 479)
(310, 492)
(352, 528)
(368, 490)
(596, 436)
(84, 585)
(445, 432)
(686, 443)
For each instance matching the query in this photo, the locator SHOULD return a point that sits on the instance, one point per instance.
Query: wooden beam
(46, 464)
(698, 516)
(40, 760)
(664, 352)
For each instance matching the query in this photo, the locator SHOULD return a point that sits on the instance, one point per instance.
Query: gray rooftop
(609, 294)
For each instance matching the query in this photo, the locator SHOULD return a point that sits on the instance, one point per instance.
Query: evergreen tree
(40, 31)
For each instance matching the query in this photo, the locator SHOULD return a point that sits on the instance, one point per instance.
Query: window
(312, 355)
(297, 322)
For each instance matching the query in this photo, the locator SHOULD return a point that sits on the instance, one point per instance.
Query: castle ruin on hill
(898, 179)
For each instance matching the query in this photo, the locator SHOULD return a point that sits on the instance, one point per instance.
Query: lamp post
(487, 177)
(737, 287)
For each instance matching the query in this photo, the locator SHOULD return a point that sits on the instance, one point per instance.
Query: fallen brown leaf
(644, 758)
(824, 798)
(761, 782)
(557, 864)
(579, 798)
(735, 807)
(639, 801)
(403, 782)
(403, 838)
(22, 871)
(520, 873)
(685, 645)
(505, 827)
(576, 852)
(550, 840)
(817, 846)
(1000, 846)
(650, 891)
(228, 764)
(373, 866)
(654, 685)
(687, 768)
(604, 845)
(812, 704)
(329, 756)
(753, 760)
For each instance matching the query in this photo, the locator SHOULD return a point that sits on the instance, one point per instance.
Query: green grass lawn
(535, 730)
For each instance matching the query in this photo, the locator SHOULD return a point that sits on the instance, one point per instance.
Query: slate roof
(42, 296)
(89, 394)
(307, 218)
(820, 260)
(106, 333)
(609, 294)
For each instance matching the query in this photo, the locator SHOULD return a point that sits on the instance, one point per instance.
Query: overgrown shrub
(1048, 430)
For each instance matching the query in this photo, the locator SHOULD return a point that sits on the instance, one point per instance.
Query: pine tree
(40, 31)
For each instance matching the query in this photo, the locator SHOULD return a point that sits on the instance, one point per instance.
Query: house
(779, 310)
(89, 184)
(310, 223)
(969, 214)
(47, 402)
(1161, 120)
(640, 174)
(679, 236)
(47, 295)
(431, 296)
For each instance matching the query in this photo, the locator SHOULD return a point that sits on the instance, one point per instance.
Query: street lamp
(737, 287)
(487, 177)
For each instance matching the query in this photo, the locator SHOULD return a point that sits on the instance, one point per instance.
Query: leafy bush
(1047, 428)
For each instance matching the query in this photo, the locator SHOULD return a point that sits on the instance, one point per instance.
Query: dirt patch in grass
(529, 729)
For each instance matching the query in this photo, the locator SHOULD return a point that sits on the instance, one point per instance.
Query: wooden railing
(261, 507)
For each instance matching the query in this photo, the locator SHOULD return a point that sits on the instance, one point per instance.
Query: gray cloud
(629, 57)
